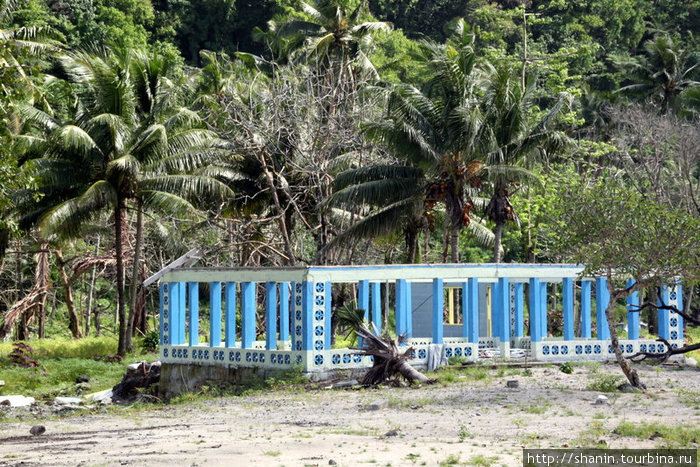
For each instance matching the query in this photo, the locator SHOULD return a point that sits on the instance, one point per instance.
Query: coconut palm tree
(131, 146)
(515, 141)
(440, 130)
(663, 73)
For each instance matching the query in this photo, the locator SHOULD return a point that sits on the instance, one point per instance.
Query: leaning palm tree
(131, 149)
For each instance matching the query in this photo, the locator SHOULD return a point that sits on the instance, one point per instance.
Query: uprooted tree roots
(390, 361)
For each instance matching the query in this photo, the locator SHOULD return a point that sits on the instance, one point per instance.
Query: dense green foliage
(334, 131)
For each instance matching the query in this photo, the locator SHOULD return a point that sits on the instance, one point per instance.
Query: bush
(151, 341)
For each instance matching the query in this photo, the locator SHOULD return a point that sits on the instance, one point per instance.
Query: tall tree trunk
(91, 292)
(454, 243)
(497, 234)
(119, 225)
(135, 274)
(629, 372)
(73, 320)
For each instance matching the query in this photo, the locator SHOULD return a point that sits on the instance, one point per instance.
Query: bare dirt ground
(475, 420)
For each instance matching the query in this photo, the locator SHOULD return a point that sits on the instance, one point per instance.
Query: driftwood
(390, 359)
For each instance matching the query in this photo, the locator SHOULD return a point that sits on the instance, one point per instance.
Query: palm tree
(132, 147)
(515, 141)
(663, 73)
(440, 130)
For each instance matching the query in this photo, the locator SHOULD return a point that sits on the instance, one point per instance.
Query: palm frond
(66, 219)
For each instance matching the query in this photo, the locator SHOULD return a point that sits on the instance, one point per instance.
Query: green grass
(693, 335)
(676, 436)
(60, 362)
(604, 383)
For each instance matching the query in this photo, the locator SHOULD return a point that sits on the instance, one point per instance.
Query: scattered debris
(37, 430)
(512, 383)
(343, 384)
(103, 397)
(378, 404)
(391, 433)
(601, 400)
(67, 400)
(17, 401)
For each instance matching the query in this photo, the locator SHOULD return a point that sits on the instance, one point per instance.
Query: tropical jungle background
(282, 132)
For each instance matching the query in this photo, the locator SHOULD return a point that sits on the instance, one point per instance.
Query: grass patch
(668, 436)
(60, 362)
(538, 408)
(604, 383)
(689, 398)
(482, 460)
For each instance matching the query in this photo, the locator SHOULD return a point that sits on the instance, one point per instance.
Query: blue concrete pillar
(363, 297)
(307, 315)
(568, 307)
(162, 291)
(438, 307)
(271, 315)
(401, 306)
(519, 309)
(586, 309)
(535, 308)
(327, 315)
(679, 293)
(181, 320)
(470, 307)
(504, 309)
(602, 298)
(284, 311)
(215, 314)
(376, 295)
(663, 315)
(409, 311)
(230, 330)
(247, 314)
(543, 308)
(632, 313)
(174, 313)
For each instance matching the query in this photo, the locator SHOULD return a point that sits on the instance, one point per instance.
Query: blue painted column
(162, 291)
(470, 307)
(519, 309)
(247, 314)
(297, 303)
(568, 307)
(215, 314)
(535, 306)
(401, 307)
(663, 315)
(327, 315)
(363, 297)
(377, 304)
(586, 309)
(632, 313)
(602, 298)
(679, 293)
(181, 320)
(409, 311)
(438, 307)
(230, 330)
(271, 315)
(284, 311)
(543, 308)
(174, 312)
(307, 315)
(504, 309)
(496, 311)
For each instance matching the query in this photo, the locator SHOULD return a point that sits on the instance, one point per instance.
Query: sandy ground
(467, 422)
